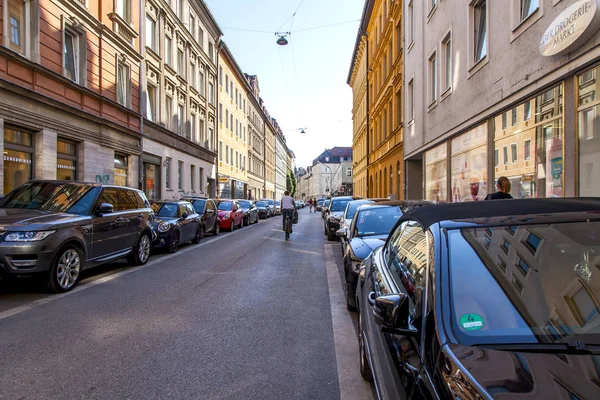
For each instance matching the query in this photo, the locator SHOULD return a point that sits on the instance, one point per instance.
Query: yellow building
(233, 148)
(269, 159)
(376, 80)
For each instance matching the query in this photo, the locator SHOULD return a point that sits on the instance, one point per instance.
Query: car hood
(222, 213)
(261, 208)
(505, 374)
(336, 214)
(363, 246)
(22, 219)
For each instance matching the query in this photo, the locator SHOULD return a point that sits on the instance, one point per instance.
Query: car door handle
(371, 298)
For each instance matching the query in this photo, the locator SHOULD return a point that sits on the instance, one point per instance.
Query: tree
(294, 185)
(288, 183)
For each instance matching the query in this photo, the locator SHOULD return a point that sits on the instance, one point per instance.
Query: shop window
(18, 156)
(152, 180)
(66, 162)
(589, 140)
(436, 173)
(469, 165)
(121, 167)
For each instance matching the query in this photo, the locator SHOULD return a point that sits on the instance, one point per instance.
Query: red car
(230, 214)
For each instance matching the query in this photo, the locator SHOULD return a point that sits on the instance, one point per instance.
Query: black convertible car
(485, 300)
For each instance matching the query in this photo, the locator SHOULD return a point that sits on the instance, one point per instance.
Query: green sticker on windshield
(471, 322)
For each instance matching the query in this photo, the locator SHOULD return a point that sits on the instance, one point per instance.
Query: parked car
(349, 212)
(484, 300)
(176, 223)
(264, 211)
(57, 229)
(278, 207)
(369, 228)
(250, 211)
(272, 207)
(207, 209)
(230, 214)
(334, 214)
(324, 208)
(319, 206)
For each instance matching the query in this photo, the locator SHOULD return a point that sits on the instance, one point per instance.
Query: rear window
(377, 221)
(224, 205)
(353, 206)
(244, 204)
(526, 283)
(198, 205)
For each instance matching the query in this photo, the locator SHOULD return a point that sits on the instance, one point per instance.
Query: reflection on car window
(244, 204)
(225, 205)
(261, 204)
(377, 221)
(46, 196)
(165, 210)
(518, 295)
(339, 205)
(110, 196)
(199, 206)
(352, 206)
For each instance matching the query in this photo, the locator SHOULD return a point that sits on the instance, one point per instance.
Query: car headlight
(226, 216)
(164, 226)
(27, 236)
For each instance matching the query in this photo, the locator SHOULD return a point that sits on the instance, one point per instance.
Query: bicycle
(287, 227)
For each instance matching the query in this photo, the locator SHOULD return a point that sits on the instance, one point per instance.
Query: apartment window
(237, 128)
(179, 9)
(480, 25)
(201, 180)
(398, 38)
(505, 246)
(513, 153)
(226, 83)
(496, 156)
(528, 7)
(504, 121)
(169, 112)
(201, 83)
(237, 158)
(447, 45)
(192, 135)
(209, 141)
(527, 149)
(227, 118)
(123, 83)
(123, 9)
(231, 89)
(583, 306)
(533, 242)
(220, 112)
(231, 155)
(201, 37)
(227, 154)
(193, 25)
(220, 151)
(236, 98)
(211, 93)
(505, 153)
(231, 121)
(527, 111)
(151, 33)
(411, 21)
(180, 175)
(432, 78)
(211, 51)
(192, 74)
(180, 60)
(398, 108)
(169, 51)
(168, 173)
(180, 118)
(193, 177)
(71, 55)
(411, 100)
(514, 116)
(220, 75)
(151, 102)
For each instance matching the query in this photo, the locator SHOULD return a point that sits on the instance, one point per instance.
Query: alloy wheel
(144, 249)
(68, 269)
(174, 242)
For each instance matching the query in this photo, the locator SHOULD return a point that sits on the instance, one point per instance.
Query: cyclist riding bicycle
(288, 207)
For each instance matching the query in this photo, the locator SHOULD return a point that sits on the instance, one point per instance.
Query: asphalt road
(244, 315)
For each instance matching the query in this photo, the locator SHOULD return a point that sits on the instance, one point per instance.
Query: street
(243, 315)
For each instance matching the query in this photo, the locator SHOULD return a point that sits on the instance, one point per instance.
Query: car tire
(174, 242)
(199, 234)
(217, 228)
(141, 252)
(349, 306)
(365, 368)
(246, 221)
(331, 237)
(232, 227)
(66, 269)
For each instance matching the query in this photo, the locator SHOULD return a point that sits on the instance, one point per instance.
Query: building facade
(70, 91)
(269, 158)
(473, 117)
(380, 41)
(280, 161)
(233, 125)
(180, 77)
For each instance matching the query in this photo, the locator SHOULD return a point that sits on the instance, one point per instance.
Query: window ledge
(527, 19)
(410, 46)
(447, 92)
(478, 65)
(432, 105)
(431, 12)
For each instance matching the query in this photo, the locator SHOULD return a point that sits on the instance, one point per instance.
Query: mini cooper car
(176, 223)
(230, 214)
(485, 300)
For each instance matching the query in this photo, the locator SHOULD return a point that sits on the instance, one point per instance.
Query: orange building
(70, 91)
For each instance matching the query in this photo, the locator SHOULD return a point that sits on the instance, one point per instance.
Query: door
(401, 268)
(211, 215)
(109, 229)
(131, 215)
(194, 220)
(185, 224)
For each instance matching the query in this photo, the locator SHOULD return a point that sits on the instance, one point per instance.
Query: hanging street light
(282, 41)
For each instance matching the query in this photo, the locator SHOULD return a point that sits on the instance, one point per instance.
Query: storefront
(224, 187)
(18, 157)
(152, 173)
(121, 167)
(66, 160)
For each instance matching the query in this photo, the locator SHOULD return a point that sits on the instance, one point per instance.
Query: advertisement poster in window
(435, 174)
(469, 165)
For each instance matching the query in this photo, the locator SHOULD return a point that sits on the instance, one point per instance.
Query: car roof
(346, 198)
(168, 201)
(502, 212)
(406, 204)
(95, 184)
(189, 198)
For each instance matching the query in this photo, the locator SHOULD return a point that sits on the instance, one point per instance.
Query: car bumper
(27, 258)
(225, 223)
(333, 226)
(262, 214)
(162, 239)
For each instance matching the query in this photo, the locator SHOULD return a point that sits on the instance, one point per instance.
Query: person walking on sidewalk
(288, 208)
(310, 205)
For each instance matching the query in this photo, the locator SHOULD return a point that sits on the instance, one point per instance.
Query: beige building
(269, 159)
(508, 96)
(256, 141)
(233, 123)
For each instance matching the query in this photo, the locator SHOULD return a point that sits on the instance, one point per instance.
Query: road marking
(19, 309)
(352, 386)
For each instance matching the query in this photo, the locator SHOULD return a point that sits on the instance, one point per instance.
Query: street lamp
(302, 130)
(282, 41)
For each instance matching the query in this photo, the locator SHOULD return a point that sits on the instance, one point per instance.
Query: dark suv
(334, 213)
(60, 228)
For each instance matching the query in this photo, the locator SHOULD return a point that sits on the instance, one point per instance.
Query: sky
(302, 84)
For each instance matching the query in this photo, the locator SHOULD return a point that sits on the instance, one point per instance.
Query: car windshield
(326, 203)
(224, 205)
(320, 202)
(271, 202)
(198, 205)
(261, 204)
(352, 206)
(278, 202)
(338, 205)
(165, 210)
(51, 197)
(526, 283)
(377, 221)
(244, 204)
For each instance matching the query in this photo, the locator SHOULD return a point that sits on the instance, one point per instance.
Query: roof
(501, 210)
(362, 29)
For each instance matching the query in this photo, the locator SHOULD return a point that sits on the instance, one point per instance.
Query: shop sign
(571, 29)
(17, 160)
(223, 180)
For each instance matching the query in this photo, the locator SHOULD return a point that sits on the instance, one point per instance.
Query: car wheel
(349, 306)
(64, 274)
(199, 234)
(232, 227)
(141, 252)
(246, 221)
(331, 236)
(365, 368)
(217, 228)
(174, 242)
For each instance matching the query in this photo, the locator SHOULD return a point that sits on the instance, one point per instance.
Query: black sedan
(176, 223)
(209, 218)
(368, 230)
(264, 210)
(250, 211)
(485, 300)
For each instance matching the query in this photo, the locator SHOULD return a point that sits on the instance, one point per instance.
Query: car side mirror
(392, 313)
(184, 215)
(341, 232)
(105, 208)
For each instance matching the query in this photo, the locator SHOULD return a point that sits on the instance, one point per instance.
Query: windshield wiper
(571, 347)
